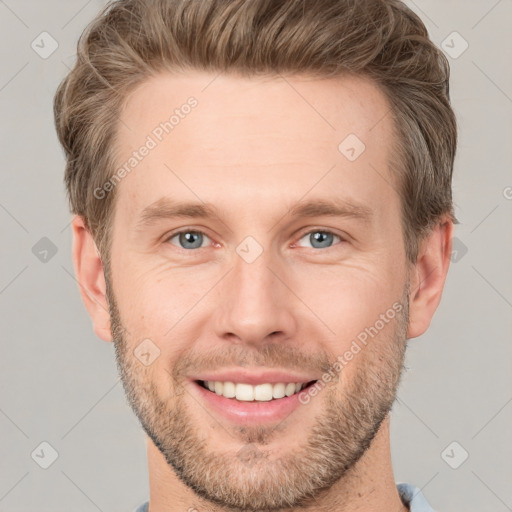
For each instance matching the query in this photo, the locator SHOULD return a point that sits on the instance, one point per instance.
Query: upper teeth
(248, 393)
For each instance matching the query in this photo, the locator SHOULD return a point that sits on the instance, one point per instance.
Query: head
(268, 115)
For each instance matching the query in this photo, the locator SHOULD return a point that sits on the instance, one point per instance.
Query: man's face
(259, 294)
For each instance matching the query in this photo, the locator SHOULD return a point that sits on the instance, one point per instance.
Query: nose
(255, 302)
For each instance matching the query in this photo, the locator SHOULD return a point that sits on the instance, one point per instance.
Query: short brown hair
(131, 40)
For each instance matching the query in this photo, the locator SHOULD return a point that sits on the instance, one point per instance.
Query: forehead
(220, 136)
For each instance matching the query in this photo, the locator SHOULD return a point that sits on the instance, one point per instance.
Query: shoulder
(143, 507)
(413, 498)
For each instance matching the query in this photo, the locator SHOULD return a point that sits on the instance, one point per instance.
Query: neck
(369, 486)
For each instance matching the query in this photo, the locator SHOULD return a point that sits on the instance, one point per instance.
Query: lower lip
(249, 413)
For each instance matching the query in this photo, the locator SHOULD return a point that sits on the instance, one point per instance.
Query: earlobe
(428, 277)
(91, 278)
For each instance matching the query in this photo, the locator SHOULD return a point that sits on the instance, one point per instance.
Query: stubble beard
(251, 478)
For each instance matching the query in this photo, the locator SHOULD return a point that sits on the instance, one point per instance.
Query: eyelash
(315, 230)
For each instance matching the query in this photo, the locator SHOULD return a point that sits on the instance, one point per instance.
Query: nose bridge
(254, 302)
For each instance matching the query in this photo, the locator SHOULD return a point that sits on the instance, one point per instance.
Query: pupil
(188, 238)
(321, 237)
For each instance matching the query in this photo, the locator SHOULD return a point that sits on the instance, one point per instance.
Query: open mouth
(259, 393)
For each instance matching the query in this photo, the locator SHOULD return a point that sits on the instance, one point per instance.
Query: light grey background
(59, 383)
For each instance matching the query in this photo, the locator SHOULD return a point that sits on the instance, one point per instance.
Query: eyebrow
(166, 208)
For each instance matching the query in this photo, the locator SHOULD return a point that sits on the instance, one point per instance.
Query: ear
(91, 279)
(428, 277)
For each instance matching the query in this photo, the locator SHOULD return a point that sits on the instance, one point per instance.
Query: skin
(254, 148)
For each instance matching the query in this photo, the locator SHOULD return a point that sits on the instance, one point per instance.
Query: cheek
(350, 300)
(161, 303)
(164, 303)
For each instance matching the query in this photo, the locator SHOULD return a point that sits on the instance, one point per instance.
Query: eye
(188, 239)
(320, 239)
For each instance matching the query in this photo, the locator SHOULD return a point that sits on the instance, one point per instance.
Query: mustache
(276, 355)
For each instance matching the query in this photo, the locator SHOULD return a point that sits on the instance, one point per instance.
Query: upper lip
(255, 377)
